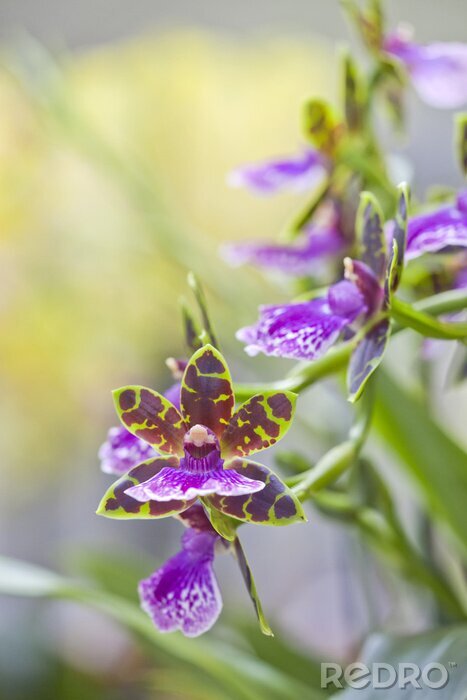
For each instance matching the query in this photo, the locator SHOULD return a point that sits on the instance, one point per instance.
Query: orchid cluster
(187, 453)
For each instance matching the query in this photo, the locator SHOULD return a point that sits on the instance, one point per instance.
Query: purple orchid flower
(438, 71)
(319, 241)
(122, 450)
(204, 449)
(184, 594)
(299, 172)
(308, 329)
(439, 229)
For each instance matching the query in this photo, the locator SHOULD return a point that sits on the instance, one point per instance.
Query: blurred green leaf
(461, 140)
(446, 646)
(243, 677)
(434, 460)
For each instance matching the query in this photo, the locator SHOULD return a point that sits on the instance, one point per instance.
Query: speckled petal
(433, 231)
(177, 484)
(276, 504)
(306, 330)
(184, 594)
(151, 417)
(207, 395)
(259, 423)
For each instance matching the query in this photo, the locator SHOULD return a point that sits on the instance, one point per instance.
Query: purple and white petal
(306, 330)
(178, 484)
(298, 172)
(122, 451)
(299, 258)
(438, 71)
(184, 594)
(438, 229)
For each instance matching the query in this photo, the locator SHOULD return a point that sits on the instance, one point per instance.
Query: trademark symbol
(452, 664)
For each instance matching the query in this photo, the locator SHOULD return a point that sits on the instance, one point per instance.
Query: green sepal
(354, 96)
(258, 423)
(461, 140)
(224, 525)
(251, 587)
(320, 125)
(369, 22)
(396, 262)
(191, 329)
(366, 358)
(370, 234)
(389, 81)
(276, 504)
(150, 417)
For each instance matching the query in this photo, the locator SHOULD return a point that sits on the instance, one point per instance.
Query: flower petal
(207, 396)
(436, 230)
(151, 417)
(298, 172)
(438, 71)
(122, 451)
(259, 423)
(184, 594)
(177, 484)
(116, 502)
(299, 258)
(297, 331)
(366, 358)
(275, 504)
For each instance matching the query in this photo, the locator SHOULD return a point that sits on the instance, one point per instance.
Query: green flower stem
(337, 358)
(335, 462)
(406, 315)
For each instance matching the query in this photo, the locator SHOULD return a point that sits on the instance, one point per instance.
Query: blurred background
(118, 124)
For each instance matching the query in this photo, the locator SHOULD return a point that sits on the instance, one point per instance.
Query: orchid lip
(202, 451)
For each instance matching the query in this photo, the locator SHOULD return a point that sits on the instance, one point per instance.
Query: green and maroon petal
(370, 235)
(118, 504)
(399, 243)
(366, 357)
(275, 504)
(207, 396)
(259, 423)
(151, 417)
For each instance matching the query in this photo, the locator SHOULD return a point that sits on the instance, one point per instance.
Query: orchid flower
(122, 450)
(307, 330)
(438, 71)
(299, 172)
(204, 449)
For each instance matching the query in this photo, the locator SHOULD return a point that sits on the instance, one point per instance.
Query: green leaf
(251, 588)
(20, 578)
(445, 646)
(370, 234)
(436, 463)
(224, 525)
(461, 140)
